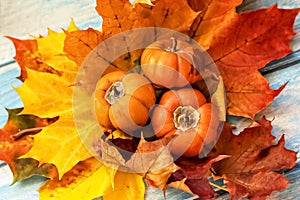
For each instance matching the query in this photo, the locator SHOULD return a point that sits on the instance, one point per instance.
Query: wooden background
(21, 19)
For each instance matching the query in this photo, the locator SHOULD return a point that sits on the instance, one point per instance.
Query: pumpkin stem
(186, 117)
(114, 92)
(174, 44)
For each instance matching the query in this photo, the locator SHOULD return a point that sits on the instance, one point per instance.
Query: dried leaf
(148, 156)
(253, 160)
(11, 149)
(27, 167)
(119, 16)
(148, 2)
(160, 177)
(151, 156)
(262, 37)
(194, 173)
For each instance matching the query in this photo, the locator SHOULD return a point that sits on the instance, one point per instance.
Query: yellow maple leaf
(51, 52)
(49, 95)
(45, 54)
(45, 95)
(127, 186)
(59, 144)
(53, 43)
(89, 179)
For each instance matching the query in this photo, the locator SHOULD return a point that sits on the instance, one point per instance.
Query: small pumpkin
(186, 113)
(168, 63)
(122, 101)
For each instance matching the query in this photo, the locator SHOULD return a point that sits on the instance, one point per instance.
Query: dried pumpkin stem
(114, 92)
(174, 44)
(186, 117)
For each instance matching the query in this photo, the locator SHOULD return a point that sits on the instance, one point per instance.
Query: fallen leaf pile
(42, 138)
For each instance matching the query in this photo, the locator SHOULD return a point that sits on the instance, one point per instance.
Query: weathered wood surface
(24, 18)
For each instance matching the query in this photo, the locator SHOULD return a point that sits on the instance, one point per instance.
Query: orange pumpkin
(167, 63)
(186, 113)
(122, 101)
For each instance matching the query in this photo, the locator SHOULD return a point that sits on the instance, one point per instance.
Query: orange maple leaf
(246, 44)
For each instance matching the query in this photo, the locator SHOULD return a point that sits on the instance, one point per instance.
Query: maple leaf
(92, 56)
(159, 178)
(237, 56)
(51, 96)
(59, 144)
(47, 96)
(145, 157)
(25, 56)
(193, 173)
(213, 15)
(45, 54)
(128, 186)
(119, 16)
(13, 144)
(27, 167)
(247, 43)
(253, 161)
(89, 179)
(84, 41)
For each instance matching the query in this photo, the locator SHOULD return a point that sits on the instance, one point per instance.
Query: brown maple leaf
(193, 173)
(141, 157)
(254, 159)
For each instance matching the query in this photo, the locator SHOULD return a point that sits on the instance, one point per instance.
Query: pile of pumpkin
(161, 98)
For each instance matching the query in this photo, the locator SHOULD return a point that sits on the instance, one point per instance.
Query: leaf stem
(25, 131)
(218, 186)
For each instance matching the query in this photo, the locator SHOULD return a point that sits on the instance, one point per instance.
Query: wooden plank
(19, 191)
(22, 19)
